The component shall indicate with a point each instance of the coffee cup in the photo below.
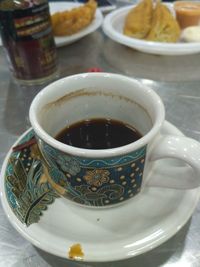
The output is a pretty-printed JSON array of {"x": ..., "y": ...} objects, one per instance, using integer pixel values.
[{"x": 108, "y": 176}]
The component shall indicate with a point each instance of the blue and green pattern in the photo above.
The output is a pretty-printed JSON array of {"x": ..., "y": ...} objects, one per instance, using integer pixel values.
[
  {"x": 27, "y": 190},
  {"x": 95, "y": 182},
  {"x": 31, "y": 186}
]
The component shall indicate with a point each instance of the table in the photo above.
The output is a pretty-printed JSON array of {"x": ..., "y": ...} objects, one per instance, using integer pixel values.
[{"x": 175, "y": 79}]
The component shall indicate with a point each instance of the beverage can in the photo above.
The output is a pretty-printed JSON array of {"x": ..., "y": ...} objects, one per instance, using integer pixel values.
[{"x": 27, "y": 37}]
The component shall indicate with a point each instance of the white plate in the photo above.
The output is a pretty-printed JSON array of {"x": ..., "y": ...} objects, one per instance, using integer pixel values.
[
  {"x": 101, "y": 6},
  {"x": 96, "y": 23},
  {"x": 61, "y": 6},
  {"x": 113, "y": 28},
  {"x": 138, "y": 226},
  {"x": 106, "y": 9}
]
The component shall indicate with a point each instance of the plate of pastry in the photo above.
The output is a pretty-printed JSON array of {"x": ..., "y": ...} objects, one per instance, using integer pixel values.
[
  {"x": 156, "y": 28},
  {"x": 72, "y": 21}
]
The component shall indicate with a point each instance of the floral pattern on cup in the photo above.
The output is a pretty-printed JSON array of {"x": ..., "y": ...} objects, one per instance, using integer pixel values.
[
  {"x": 96, "y": 177},
  {"x": 94, "y": 182},
  {"x": 68, "y": 164},
  {"x": 27, "y": 189}
]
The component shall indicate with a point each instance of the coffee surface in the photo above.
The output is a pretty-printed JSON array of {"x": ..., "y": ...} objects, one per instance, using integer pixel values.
[{"x": 98, "y": 133}]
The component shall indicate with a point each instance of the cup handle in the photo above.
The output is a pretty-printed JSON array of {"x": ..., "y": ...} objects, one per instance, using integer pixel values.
[{"x": 181, "y": 148}]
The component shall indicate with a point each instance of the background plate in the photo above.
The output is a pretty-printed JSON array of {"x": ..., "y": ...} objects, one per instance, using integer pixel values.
[
  {"x": 113, "y": 28},
  {"x": 96, "y": 23}
]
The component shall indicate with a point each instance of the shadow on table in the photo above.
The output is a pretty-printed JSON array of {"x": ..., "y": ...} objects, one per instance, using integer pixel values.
[
  {"x": 78, "y": 57},
  {"x": 172, "y": 248},
  {"x": 133, "y": 63}
]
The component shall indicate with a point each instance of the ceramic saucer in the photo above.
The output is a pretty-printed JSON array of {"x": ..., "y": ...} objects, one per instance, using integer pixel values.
[{"x": 109, "y": 234}]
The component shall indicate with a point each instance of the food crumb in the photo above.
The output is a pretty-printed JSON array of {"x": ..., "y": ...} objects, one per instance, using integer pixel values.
[{"x": 76, "y": 252}]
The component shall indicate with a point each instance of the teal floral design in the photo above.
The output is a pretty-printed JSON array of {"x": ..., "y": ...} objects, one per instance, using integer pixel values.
[
  {"x": 108, "y": 180},
  {"x": 97, "y": 177},
  {"x": 103, "y": 196},
  {"x": 68, "y": 164},
  {"x": 27, "y": 189}
]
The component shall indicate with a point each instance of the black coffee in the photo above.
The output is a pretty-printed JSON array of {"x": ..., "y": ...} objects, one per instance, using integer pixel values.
[{"x": 98, "y": 134}]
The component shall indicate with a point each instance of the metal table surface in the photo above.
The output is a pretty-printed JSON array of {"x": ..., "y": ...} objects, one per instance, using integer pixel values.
[{"x": 176, "y": 80}]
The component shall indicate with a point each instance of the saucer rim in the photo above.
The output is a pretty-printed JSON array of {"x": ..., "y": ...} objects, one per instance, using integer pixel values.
[{"x": 21, "y": 228}]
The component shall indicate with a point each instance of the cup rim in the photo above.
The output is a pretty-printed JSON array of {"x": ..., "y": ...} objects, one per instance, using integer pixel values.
[{"x": 98, "y": 153}]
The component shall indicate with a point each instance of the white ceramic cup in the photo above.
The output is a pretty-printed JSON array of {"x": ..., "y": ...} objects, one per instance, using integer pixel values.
[{"x": 108, "y": 176}]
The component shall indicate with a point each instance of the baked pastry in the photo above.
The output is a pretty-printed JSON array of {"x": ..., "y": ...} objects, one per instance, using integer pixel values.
[
  {"x": 164, "y": 27},
  {"x": 138, "y": 20},
  {"x": 72, "y": 21}
]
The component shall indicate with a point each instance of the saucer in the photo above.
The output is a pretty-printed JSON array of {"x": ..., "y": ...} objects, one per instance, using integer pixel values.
[{"x": 135, "y": 227}]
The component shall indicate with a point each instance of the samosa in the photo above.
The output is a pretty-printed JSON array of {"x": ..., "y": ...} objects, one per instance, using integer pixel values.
[
  {"x": 138, "y": 20},
  {"x": 164, "y": 26}
]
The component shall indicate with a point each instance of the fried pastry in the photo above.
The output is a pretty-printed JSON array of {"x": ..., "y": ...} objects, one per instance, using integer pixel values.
[
  {"x": 138, "y": 20},
  {"x": 164, "y": 26},
  {"x": 72, "y": 21}
]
